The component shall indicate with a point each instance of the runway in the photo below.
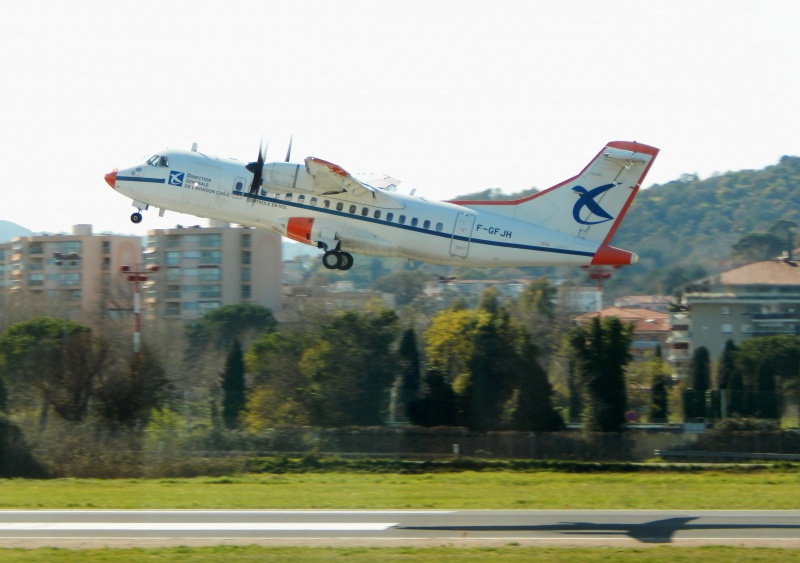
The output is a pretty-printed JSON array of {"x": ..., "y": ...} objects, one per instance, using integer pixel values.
[{"x": 124, "y": 528}]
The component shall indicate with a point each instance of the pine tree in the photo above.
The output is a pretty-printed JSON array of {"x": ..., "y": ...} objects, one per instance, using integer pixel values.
[
  {"x": 534, "y": 411},
  {"x": 233, "y": 391}
]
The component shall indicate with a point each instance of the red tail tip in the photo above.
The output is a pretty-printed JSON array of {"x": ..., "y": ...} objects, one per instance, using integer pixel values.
[{"x": 611, "y": 256}]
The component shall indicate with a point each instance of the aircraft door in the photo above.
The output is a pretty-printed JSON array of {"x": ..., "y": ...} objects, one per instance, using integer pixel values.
[
  {"x": 459, "y": 244},
  {"x": 239, "y": 185}
]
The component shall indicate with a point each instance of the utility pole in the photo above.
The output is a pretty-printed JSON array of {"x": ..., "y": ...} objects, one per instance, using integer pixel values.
[{"x": 137, "y": 275}]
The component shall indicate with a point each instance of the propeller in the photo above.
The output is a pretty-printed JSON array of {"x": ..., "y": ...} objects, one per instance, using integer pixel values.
[
  {"x": 257, "y": 168},
  {"x": 289, "y": 151}
]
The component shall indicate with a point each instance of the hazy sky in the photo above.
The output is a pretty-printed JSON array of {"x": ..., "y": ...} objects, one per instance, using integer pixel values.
[{"x": 450, "y": 96}]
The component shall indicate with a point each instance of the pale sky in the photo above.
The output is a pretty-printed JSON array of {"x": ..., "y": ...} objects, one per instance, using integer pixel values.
[{"x": 450, "y": 97}]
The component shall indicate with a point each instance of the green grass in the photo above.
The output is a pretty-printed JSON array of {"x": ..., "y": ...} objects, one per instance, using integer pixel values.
[
  {"x": 465, "y": 490},
  {"x": 434, "y": 554}
]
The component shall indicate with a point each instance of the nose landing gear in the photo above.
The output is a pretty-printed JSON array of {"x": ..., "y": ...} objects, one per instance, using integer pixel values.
[{"x": 336, "y": 260}]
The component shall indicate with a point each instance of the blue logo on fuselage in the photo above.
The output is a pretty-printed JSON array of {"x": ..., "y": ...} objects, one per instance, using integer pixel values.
[
  {"x": 586, "y": 199},
  {"x": 176, "y": 178}
]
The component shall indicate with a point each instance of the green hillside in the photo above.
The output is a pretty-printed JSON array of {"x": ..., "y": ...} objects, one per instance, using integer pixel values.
[{"x": 692, "y": 221}]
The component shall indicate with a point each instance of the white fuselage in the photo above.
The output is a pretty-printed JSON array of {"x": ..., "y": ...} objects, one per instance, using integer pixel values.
[{"x": 381, "y": 223}]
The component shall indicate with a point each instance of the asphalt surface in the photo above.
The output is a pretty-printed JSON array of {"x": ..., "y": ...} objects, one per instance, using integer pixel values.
[{"x": 124, "y": 528}]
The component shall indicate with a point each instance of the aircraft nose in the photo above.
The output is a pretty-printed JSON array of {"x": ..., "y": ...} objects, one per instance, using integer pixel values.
[{"x": 111, "y": 178}]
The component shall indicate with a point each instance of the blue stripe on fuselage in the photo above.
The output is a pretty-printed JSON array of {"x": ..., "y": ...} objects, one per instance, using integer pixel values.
[
  {"x": 140, "y": 179},
  {"x": 383, "y": 222}
]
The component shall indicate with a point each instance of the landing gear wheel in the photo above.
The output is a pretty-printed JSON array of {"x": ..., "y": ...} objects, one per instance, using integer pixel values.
[
  {"x": 345, "y": 260},
  {"x": 136, "y": 218},
  {"x": 331, "y": 259}
]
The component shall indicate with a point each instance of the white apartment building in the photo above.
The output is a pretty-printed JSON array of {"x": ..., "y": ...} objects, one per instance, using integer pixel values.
[{"x": 204, "y": 268}]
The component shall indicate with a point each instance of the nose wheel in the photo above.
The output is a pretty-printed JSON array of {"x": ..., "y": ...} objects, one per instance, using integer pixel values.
[
  {"x": 335, "y": 260},
  {"x": 136, "y": 218}
]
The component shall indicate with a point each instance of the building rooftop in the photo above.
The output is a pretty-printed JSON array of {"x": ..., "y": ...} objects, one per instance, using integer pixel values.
[
  {"x": 768, "y": 272},
  {"x": 644, "y": 320}
]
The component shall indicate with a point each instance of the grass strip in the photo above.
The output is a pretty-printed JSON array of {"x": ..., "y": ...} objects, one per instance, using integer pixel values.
[
  {"x": 711, "y": 490},
  {"x": 510, "y": 553}
]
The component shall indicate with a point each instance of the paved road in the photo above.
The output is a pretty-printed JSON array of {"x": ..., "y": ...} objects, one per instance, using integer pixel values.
[{"x": 83, "y": 528}]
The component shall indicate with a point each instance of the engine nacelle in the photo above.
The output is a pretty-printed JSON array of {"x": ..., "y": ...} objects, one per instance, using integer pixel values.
[{"x": 286, "y": 177}]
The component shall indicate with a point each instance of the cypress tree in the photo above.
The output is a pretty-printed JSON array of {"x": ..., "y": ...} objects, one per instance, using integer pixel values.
[
  {"x": 601, "y": 352},
  {"x": 233, "y": 392}
]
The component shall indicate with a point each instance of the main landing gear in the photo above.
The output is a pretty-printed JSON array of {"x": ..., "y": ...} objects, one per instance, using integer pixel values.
[
  {"x": 136, "y": 218},
  {"x": 336, "y": 260}
]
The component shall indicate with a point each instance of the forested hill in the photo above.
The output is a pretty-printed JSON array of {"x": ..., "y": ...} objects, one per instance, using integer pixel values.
[{"x": 692, "y": 221}]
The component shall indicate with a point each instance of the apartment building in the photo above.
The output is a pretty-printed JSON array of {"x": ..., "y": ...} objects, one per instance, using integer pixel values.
[
  {"x": 67, "y": 275},
  {"x": 203, "y": 268},
  {"x": 759, "y": 299}
]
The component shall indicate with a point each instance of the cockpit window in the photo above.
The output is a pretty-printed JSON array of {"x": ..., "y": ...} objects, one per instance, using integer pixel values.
[{"x": 157, "y": 160}]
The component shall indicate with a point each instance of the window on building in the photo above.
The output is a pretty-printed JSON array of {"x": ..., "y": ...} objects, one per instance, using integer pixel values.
[
  {"x": 246, "y": 273},
  {"x": 727, "y": 328},
  {"x": 209, "y": 274},
  {"x": 726, "y": 310},
  {"x": 106, "y": 247},
  {"x": 212, "y": 240},
  {"x": 246, "y": 257},
  {"x": 246, "y": 291},
  {"x": 211, "y": 257},
  {"x": 191, "y": 254},
  {"x": 245, "y": 241},
  {"x": 172, "y": 241},
  {"x": 205, "y": 306},
  {"x": 210, "y": 291},
  {"x": 173, "y": 292},
  {"x": 106, "y": 262}
]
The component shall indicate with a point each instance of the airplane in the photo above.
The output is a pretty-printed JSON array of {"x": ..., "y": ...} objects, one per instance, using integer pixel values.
[{"x": 321, "y": 204}]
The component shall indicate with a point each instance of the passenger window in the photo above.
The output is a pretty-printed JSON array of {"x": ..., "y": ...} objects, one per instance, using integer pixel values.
[
  {"x": 301, "y": 198},
  {"x": 377, "y": 214},
  {"x": 414, "y": 222},
  {"x": 326, "y": 204},
  {"x": 313, "y": 201},
  {"x": 389, "y": 216},
  {"x": 364, "y": 211},
  {"x": 352, "y": 209},
  {"x": 339, "y": 206},
  {"x": 402, "y": 219},
  {"x": 288, "y": 197},
  {"x": 426, "y": 224},
  {"x": 439, "y": 226}
]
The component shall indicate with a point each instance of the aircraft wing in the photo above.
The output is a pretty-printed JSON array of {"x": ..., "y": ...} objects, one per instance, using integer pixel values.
[{"x": 331, "y": 178}]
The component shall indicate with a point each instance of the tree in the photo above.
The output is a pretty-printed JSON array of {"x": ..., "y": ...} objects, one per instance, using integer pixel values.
[
  {"x": 350, "y": 368},
  {"x": 437, "y": 405},
  {"x": 128, "y": 395},
  {"x": 600, "y": 352},
  {"x": 659, "y": 393},
  {"x": 534, "y": 410},
  {"x": 694, "y": 397},
  {"x": 765, "y": 396},
  {"x": 726, "y": 374},
  {"x": 233, "y": 389},
  {"x": 61, "y": 359},
  {"x": 219, "y": 327},
  {"x": 408, "y": 359},
  {"x": 280, "y": 392}
]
